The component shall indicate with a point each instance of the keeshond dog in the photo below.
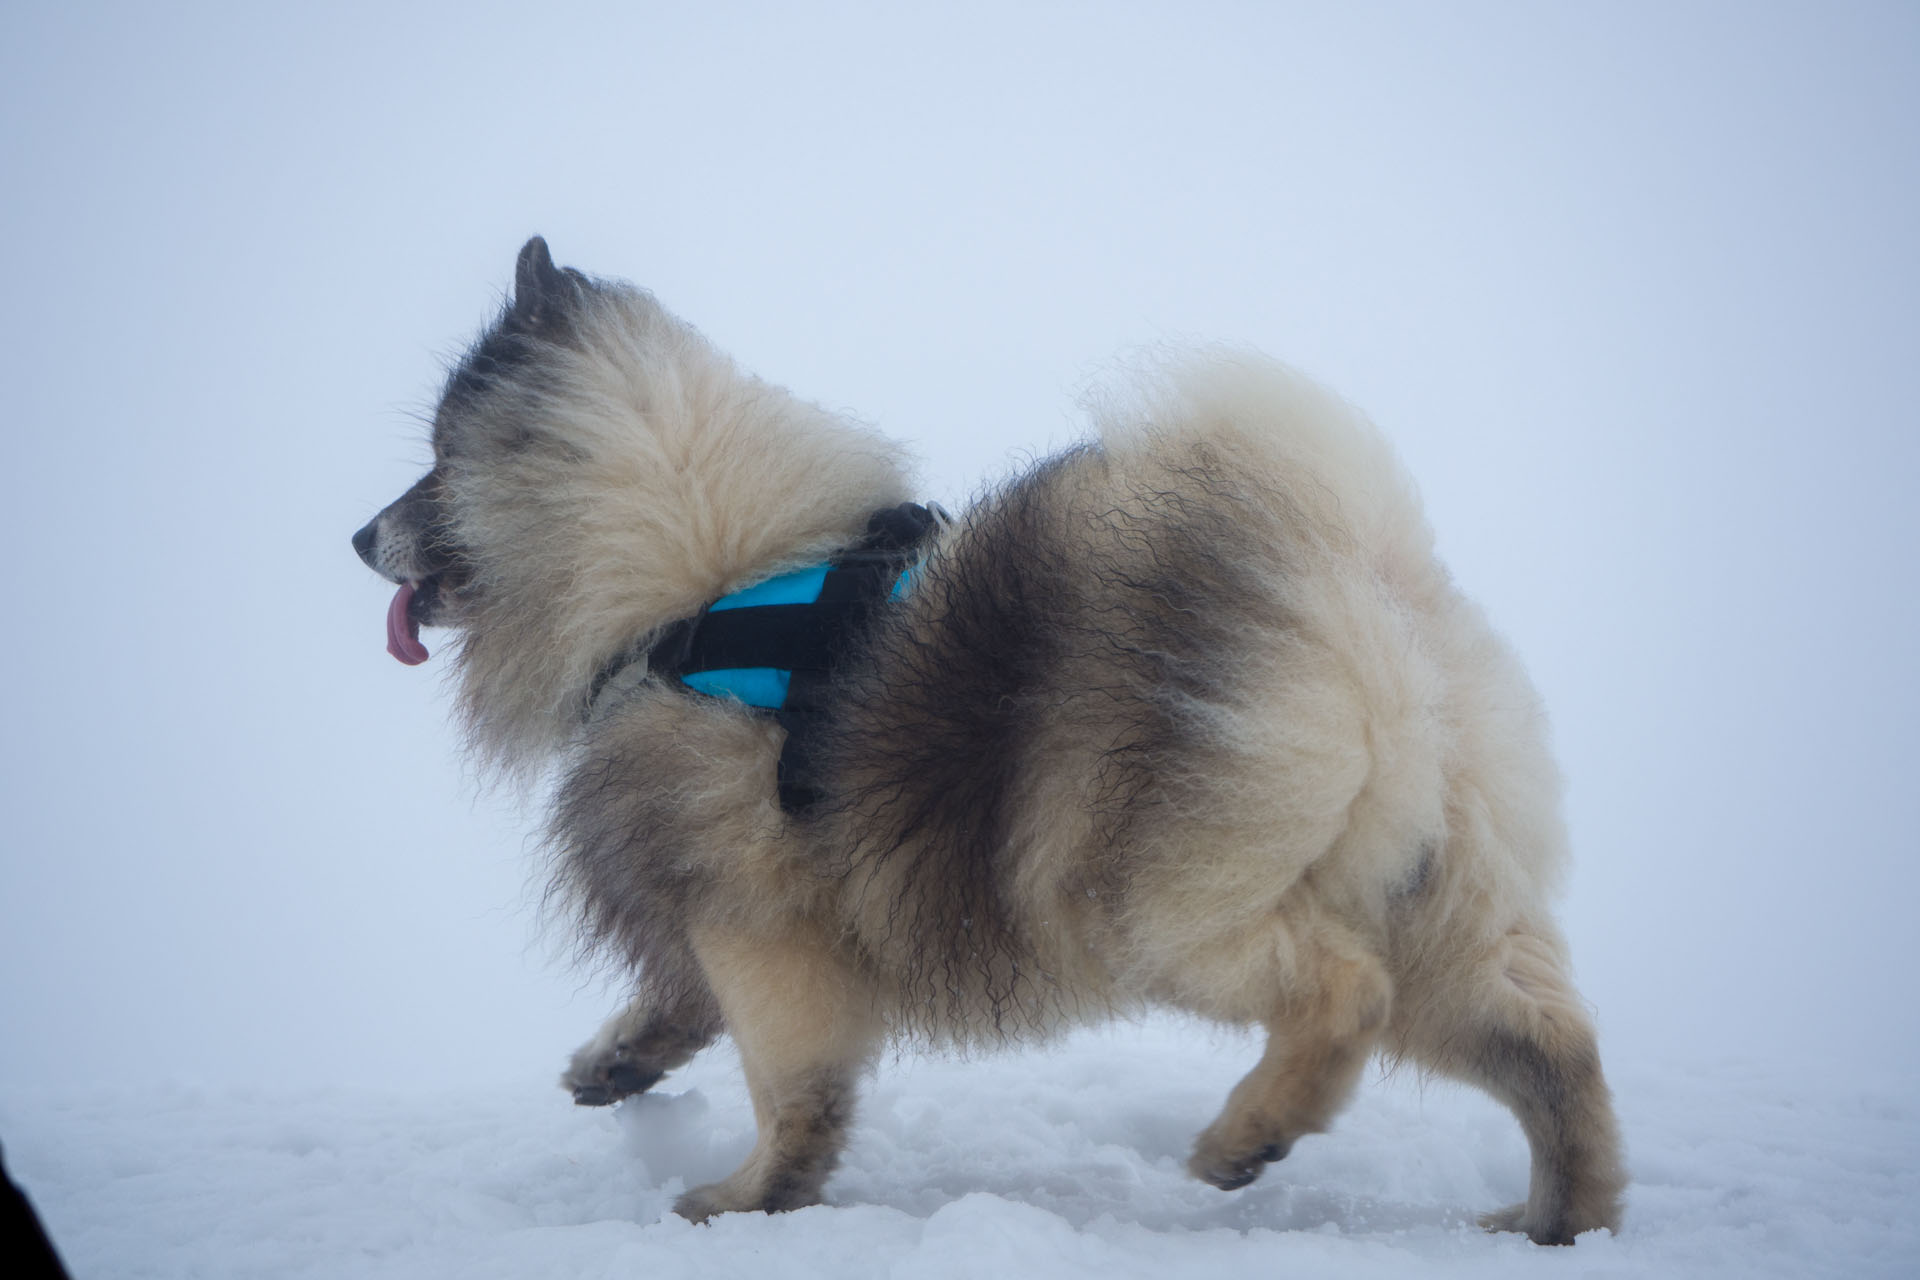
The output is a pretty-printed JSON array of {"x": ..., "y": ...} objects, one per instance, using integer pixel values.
[{"x": 1188, "y": 715}]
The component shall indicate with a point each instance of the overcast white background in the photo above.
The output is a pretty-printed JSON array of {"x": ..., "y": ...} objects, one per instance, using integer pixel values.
[{"x": 1632, "y": 286}]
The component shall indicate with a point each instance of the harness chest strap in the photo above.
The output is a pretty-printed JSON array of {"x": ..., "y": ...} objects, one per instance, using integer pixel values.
[{"x": 775, "y": 645}]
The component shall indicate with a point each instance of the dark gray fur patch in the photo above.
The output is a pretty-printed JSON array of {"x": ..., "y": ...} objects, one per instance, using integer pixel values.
[
  {"x": 502, "y": 382},
  {"x": 1421, "y": 876},
  {"x": 1113, "y": 620},
  {"x": 808, "y": 1135},
  {"x": 622, "y": 840}
]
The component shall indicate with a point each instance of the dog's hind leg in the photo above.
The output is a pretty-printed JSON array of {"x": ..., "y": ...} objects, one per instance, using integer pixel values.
[
  {"x": 805, "y": 1022},
  {"x": 664, "y": 1025},
  {"x": 1518, "y": 1029},
  {"x": 1332, "y": 1007}
]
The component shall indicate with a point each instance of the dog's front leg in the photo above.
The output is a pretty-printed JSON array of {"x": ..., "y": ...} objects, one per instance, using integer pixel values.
[
  {"x": 804, "y": 1020},
  {"x": 670, "y": 1018}
]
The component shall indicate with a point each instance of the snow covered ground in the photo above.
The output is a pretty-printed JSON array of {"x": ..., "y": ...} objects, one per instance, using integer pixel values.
[{"x": 1064, "y": 1162}]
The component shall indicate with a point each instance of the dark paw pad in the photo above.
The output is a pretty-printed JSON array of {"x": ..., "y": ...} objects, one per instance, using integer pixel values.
[
  {"x": 1233, "y": 1174},
  {"x": 1233, "y": 1181},
  {"x": 621, "y": 1080}
]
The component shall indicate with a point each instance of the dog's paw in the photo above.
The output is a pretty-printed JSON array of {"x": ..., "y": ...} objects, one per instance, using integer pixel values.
[
  {"x": 702, "y": 1203},
  {"x": 1231, "y": 1170},
  {"x": 1514, "y": 1218},
  {"x": 601, "y": 1075}
]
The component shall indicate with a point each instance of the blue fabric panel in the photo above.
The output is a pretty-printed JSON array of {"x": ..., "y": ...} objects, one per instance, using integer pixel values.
[
  {"x": 799, "y": 587},
  {"x": 755, "y": 686},
  {"x": 905, "y": 584}
]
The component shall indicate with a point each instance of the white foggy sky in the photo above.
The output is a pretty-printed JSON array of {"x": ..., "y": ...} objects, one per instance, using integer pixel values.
[{"x": 1633, "y": 287}]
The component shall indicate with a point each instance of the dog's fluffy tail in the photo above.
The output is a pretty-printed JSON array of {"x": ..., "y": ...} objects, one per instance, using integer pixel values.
[{"x": 1298, "y": 440}]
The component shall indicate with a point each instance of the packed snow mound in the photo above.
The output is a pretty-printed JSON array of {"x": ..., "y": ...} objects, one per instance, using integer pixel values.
[{"x": 1060, "y": 1163}]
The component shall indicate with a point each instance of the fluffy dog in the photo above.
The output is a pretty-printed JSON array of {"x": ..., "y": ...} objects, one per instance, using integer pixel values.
[{"x": 1189, "y": 716}]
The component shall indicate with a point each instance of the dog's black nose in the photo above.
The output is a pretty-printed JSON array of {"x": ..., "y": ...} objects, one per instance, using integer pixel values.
[{"x": 363, "y": 541}]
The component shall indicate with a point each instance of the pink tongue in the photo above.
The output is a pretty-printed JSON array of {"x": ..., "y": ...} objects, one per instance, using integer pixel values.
[{"x": 403, "y": 633}]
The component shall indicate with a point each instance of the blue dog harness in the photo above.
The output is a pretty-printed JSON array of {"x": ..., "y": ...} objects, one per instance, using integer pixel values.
[
  {"x": 776, "y": 645},
  {"x": 768, "y": 687}
]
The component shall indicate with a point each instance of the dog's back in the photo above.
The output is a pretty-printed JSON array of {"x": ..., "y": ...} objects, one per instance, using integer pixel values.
[{"x": 1149, "y": 694}]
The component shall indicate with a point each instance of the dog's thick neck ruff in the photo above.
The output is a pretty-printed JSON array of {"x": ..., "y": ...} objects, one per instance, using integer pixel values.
[{"x": 774, "y": 646}]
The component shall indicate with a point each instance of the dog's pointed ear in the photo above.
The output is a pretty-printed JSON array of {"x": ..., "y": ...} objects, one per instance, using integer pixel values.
[{"x": 541, "y": 290}]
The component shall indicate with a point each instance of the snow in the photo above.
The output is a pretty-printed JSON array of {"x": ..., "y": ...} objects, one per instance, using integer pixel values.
[{"x": 1058, "y": 1162}]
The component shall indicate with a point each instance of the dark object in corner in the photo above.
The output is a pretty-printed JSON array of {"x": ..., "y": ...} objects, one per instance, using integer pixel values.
[{"x": 22, "y": 1238}]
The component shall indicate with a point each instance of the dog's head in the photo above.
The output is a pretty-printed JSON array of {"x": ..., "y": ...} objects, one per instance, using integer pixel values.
[
  {"x": 416, "y": 542},
  {"x": 600, "y": 470}
]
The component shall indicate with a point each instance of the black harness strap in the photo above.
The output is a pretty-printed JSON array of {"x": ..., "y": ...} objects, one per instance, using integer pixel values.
[{"x": 808, "y": 641}]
